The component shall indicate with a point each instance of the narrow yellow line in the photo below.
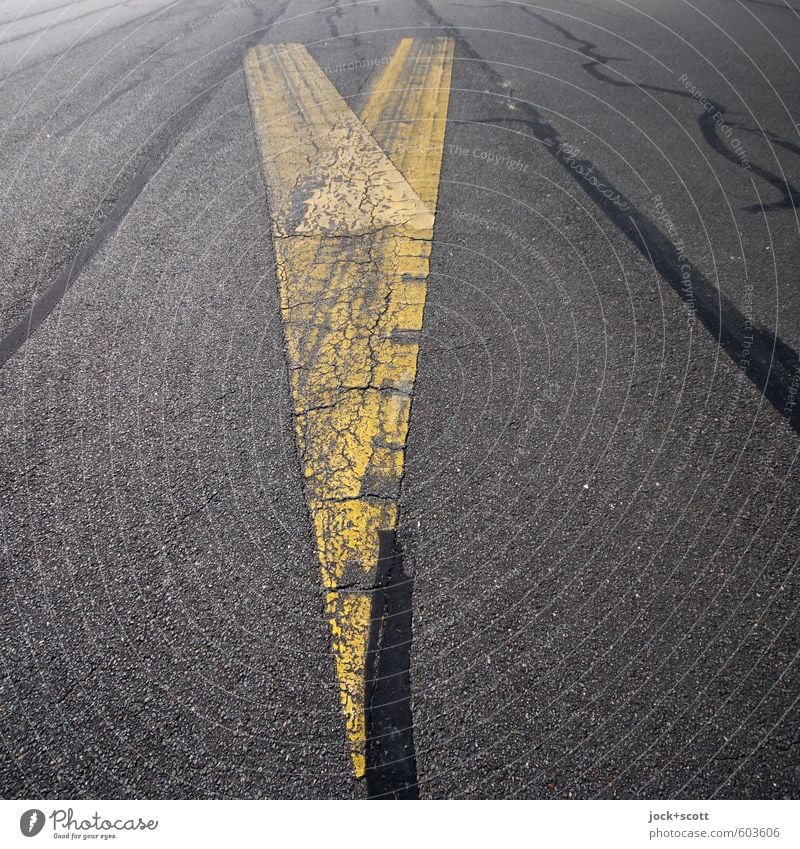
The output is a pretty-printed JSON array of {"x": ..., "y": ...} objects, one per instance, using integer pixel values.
[
  {"x": 407, "y": 111},
  {"x": 352, "y": 219}
]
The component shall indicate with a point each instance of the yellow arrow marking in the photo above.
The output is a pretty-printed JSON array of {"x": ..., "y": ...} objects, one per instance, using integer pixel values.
[{"x": 352, "y": 203}]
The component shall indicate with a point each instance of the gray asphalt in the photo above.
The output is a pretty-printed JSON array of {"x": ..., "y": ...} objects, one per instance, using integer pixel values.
[{"x": 600, "y": 503}]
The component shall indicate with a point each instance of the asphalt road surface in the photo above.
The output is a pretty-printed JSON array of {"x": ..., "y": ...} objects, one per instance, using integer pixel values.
[{"x": 599, "y": 500}]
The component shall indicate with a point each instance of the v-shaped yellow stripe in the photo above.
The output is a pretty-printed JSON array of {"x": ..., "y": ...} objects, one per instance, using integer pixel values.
[{"x": 352, "y": 204}]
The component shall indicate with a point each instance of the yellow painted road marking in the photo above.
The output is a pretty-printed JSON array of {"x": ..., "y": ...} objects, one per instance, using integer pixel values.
[
  {"x": 352, "y": 203},
  {"x": 407, "y": 111}
]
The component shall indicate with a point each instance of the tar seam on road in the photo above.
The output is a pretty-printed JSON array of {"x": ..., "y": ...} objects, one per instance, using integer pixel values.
[{"x": 391, "y": 771}]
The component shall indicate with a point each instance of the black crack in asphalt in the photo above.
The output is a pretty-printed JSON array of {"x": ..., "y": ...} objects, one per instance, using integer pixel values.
[{"x": 765, "y": 359}]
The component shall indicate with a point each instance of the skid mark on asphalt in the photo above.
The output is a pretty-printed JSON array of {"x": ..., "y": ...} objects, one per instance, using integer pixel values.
[
  {"x": 167, "y": 140},
  {"x": 164, "y": 142},
  {"x": 352, "y": 202},
  {"x": 770, "y": 364}
]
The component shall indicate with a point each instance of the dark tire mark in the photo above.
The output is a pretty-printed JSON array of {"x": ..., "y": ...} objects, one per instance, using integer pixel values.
[
  {"x": 117, "y": 92},
  {"x": 771, "y": 363},
  {"x": 159, "y": 151},
  {"x": 20, "y": 18},
  {"x": 60, "y": 23},
  {"x": 705, "y": 121},
  {"x": 157, "y": 155},
  {"x": 330, "y": 14},
  {"x": 175, "y": 8}
]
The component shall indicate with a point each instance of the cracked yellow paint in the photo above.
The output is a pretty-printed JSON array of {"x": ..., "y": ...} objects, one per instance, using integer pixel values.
[{"x": 352, "y": 203}]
